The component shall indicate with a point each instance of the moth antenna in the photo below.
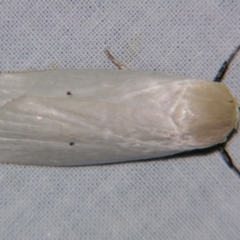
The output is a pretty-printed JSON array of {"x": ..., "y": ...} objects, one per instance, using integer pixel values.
[
  {"x": 222, "y": 71},
  {"x": 228, "y": 159}
]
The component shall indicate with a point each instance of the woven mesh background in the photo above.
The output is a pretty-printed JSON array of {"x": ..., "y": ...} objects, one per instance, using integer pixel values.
[{"x": 192, "y": 196}]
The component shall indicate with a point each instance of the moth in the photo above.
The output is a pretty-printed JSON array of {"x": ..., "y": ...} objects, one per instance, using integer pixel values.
[{"x": 89, "y": 116}]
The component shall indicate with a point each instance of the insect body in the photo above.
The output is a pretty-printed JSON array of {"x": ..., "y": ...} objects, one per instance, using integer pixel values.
[{"x": 83, "y": 117}]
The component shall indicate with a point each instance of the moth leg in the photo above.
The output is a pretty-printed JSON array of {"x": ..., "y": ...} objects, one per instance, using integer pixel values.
[
  {"x": 222, "y": 71},
  {"x": 115, "y": 61},
  {"x": 228, "y": 159}
]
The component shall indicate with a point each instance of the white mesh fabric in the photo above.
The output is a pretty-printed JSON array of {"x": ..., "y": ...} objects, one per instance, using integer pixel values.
[{"x": 192, "y": 196}]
